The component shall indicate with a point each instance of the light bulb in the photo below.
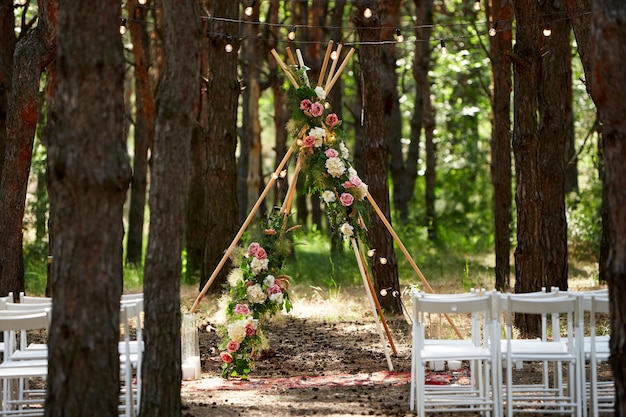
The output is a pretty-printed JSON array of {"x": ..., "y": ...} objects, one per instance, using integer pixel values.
[
  {"x": 444, "y": 50},
  {"x": 292, "y": 33},
  {"x": 477, "y": 5},
  {"x": 492, "y": 31},
  {"x": 383, "y": 261},
  {"x": 367, "y": 13},
  {"x": 399, "y": 36},
  {"x": 371, "y": 252},
  {"x": 250, "y": 9},
  {"x": 383, "y": 292},
  {"x": 547, "y": 31},
  {"x": 333, "y": 55},
  {"x": 123, "y": 27},
  {"x": 229, "y": 47},
  {"x": 142, "y": 1}
]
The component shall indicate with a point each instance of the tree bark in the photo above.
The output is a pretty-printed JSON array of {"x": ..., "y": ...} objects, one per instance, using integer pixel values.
[
  {"x": 609, "y": 56},
  {"x": 32, "y": 54},
  {"x": 168, "y": 190},
  {"x": 554, "y": 132},
  {"x": 375, "y": 152},
  {"x": 529, "y": 252},
  {"x": 89, "y": 176},
  {"x": 7, "y": 47},
  {"x": 501, "y": 11},
  {"x": 144, "y": 131},
  {"x": 220, "y": 144}
]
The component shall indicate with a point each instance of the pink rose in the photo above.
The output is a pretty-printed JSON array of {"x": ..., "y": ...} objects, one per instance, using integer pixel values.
[
  {"x": 226, "y": 357},
  {"x": 346, "y": 199},
  {"x": 261, "y": 254},
  {"x": 305, "y": 104},
  {"x": 356, "y": 181},
  {"x": 331, "y": 153},
  {"x": 317, "y": 109},
  {"x": 332, "y": 120},
  {"x": 348, "y": 184},
  {"x": 232, "y": 346},
  {"x": 250, "y": 330},
  {"x": 253, "y": 248},
  {"x": 274, "y": 289},
  {"x": 309, "y": 142},
  {"x": 242, "y": 309}
]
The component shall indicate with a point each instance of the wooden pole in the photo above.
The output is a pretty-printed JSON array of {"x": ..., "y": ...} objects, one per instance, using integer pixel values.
[
  {"x": 370, "y": 298},
  {"x": 285, "y": 69},
  {"x": 329, "y": 49},
  {"x": 333, "y": 65},
  {"x": 378, "y": 308},
  {"x": 245, "y": 225},
  {"x": 332, "y": 82},
  {"x": 408, "y": 256}
]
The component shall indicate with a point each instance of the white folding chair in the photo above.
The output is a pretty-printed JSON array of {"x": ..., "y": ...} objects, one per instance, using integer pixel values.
[
  {"x": 19, "y": 400},
  {"x": 561, "y": 310},
  {"x": 28, "y": 299},
  {"x": 479, "y": 395},
  {"x": 131, "y": 354},
  {"x": 600, "y": 395}
]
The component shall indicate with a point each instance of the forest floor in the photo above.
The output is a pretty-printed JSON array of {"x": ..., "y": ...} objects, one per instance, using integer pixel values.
[{"x": 326, "y": 358}]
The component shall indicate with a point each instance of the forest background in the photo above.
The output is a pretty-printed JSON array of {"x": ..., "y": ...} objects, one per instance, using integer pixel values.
[{"x": 431, "y": 116}]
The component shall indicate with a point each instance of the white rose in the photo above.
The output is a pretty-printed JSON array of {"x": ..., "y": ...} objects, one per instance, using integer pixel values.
[
  {"x": 319, "y": 134},
  {"x": 277, "y": 298},
  {"x": 352, "y": 173},
  {"x": 256, "y": 294},
  {"x": 269, "y": 280},
  {"x": 237, "y": 331},
  {"x": 259, "y": 265},
  {"x": 321, "y": 94},
  {"x": 360, "y": 192},
  {"x": 347, "y": 229},
  {"x": 328, "y": 196},
  {"x": 345, "y": 154}
]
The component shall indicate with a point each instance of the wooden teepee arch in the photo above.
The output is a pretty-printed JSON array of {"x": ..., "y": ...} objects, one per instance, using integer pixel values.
[{"x": 333, "y": 76}]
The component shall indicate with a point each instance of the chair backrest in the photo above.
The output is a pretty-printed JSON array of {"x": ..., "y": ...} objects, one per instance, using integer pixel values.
[
  {"x": 27, "y": 299},
  {"x": 478, "y": 304},
  {"x": 13, "y": 322}
]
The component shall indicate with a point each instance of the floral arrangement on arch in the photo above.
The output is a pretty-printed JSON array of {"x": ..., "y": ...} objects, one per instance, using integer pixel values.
[{"x": 258, "y": 287}]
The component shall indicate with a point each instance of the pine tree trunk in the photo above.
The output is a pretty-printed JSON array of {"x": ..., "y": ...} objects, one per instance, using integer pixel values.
[
  {"x": 375, "y": 152},
  {"x": 89, "y": 175},
  {"x": 32, "y": 54},
  {"x": 144, "y": 132},
  {"x": 168, "y": 191},
  {"x": 554, "y": 132},
  {"x": 501, "y": 11},
  {"x": 529, "y": 252},
  {"x": 220, "y": 140},
  {"x": 609, "y": 58}
]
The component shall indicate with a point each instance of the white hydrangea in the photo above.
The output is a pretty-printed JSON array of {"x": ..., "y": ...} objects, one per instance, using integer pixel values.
[
  {"x": 256, "y": 294},
  {"x": 345, "y": 153},
  {"x": 335, "y": 167},
  {"x": 237, "y": 330},
  {"x": 347, "y": 229},
  {"x": 319, "y": 134},
  {"x": 258, "y": 265},
  {"x": 360, "y": 192},
  {"x": 321, "y": 93},
  {"x": 329, "y": 196}
]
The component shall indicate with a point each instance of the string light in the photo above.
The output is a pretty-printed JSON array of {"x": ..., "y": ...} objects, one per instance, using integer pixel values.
[
  {"x": 492, "y": 30},
  {"x": 292, "y": 33},
  {"x": 123, "y": 27},
  {"x": 371, "y": 252},
  {"x": 333, "y": 55},
  {"x": 367, "y": 13},
  {"x": 444, "y": 50},
  {"x": 142, "y": 2},
  {"x": 229, "y": 45},
  {"x": 399, "y": 36},
  {"x": 383, "y": 261},
  {"x": 477, "y": 5},
  {"x": 547, "y": 30},
  {"x": 250, "y": 9}
]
